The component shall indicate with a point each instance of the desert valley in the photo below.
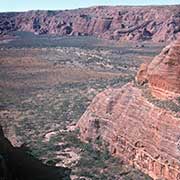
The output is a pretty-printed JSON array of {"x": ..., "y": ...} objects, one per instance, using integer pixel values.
[{"x": 90, "y": 94}]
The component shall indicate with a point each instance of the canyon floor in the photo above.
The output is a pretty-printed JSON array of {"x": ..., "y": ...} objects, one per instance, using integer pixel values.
[{"x": 46, "y": 84}]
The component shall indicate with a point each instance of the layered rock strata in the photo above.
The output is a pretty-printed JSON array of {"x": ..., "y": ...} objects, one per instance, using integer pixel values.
[
  {"x": 136, "y": 130},
  {"x": 163, "y": 73},
  {"x": 161, "y": 23}
]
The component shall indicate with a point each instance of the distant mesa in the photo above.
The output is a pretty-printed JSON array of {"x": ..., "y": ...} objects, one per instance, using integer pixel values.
[{"x": 158, "y": 24}]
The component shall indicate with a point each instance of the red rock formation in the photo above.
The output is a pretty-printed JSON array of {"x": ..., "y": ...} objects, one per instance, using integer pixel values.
[
  {"x": 119, "y": 23},
  {"x": 136, "y": 130},
  {"x": 163, "y": 73},
  {"x": 141, "y": 76}
]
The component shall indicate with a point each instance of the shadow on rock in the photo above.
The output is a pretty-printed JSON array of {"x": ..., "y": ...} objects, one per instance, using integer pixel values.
[{"x": 17, "y": 164}]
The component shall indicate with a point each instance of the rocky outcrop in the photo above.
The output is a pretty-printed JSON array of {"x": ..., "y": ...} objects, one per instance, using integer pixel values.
[
  {"x": 16, "y": 163},
  {"x": 135, "y": 130},
  {"x": 7, "y": 23},
  {"x": 163, "y": 73},
  {"x": 140, "y": 132},
  {"x": 141, "y": 76},
  {"x": 160, "y": 23}
]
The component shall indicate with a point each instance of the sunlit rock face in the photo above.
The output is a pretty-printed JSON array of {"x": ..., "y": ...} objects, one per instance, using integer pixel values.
[
  {"x": 138, "y": 131},
  {"x": 163, "y": 73},
  {"x": 159, "y": 24}
]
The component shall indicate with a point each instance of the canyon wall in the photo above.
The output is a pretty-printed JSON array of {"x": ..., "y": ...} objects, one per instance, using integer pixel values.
[
  {"x": 163, "y": 73},
  {"x": 143, "y": 134},
  {"x": 157, "y": 23}
]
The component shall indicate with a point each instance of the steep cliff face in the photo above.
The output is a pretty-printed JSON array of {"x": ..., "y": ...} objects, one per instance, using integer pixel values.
[
  {"x": 117, "y": 23},
  {"x": 136, "y": 130},
  {"x": 163, "y": 73}
]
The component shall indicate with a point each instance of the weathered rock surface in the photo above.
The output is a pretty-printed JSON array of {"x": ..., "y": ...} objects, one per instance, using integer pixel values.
[
  {"x": 161, "y": 23},
  {"x": 141, "y": 76},
  {"x": 163, "y": 73},
  {"x": 136, "y": 130},
  {"x": 141, "y": 133}
]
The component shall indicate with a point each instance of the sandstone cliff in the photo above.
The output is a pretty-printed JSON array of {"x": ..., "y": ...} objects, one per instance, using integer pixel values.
[
  {"x": 163, "y": 73},
  {"x": 161, "y": 23},
  {"x": 136, "y": 130}
]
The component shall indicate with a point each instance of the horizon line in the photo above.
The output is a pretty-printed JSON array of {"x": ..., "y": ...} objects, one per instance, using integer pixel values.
[{"x": 86, "y": 7}]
